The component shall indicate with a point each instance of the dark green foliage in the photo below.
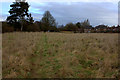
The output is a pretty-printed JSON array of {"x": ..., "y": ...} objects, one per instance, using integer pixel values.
[
  {"x": 71, "y": 27},
  {"x": 19, "y": 15},
  {"x": 80, "y": 28},
  {"x": 78, "y": 24}
]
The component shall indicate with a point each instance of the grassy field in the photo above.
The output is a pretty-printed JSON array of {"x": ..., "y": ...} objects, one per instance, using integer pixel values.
[{"x": 59, "y": 55}]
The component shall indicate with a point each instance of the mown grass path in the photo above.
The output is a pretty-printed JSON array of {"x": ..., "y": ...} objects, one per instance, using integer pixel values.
[{"x": 40, "y": 60}]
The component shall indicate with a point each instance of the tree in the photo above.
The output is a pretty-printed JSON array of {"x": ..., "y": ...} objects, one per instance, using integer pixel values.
[
  {"x": 85, "y": 24},
  {"x": 71, "y": 27},
  {"x": 19, "y": 14},
  {"x": 48, "y": 22},
  {"x": 80, "y": 28},
  {"x": 78, "y": 24}
]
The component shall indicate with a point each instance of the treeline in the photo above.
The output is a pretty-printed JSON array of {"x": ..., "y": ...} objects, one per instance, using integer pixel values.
[
  {"x": 47, "y": 23},
  {"x": 85, "y": 27},
  {"x": 21, "y": 20},
  {"x": 79, "y": 27}
]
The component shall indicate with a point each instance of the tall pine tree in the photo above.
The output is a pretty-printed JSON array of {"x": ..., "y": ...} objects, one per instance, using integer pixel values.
[{"x": 19, "y": 14}]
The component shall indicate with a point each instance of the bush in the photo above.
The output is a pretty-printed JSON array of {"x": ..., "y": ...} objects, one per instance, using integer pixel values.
[
  {"x": 6, "y": 27},
  {"x": 32, "y": 27},
  {"x": 71, "y": 27}
]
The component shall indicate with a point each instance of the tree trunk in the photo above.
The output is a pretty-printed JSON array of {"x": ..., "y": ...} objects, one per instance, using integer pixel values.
[
  {"x": 22, "y": 28},
  {"x": 21, "y": 23}
]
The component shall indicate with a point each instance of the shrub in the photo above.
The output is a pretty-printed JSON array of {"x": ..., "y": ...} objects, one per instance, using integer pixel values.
[
  {"x": 32, "y": 27},
  {"x": 6, "y": 27}
]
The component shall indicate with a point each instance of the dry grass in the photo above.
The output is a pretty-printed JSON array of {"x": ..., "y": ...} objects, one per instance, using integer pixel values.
[
  {"x": 0, "y": 56},
  {"x": 60, "y": 55}
]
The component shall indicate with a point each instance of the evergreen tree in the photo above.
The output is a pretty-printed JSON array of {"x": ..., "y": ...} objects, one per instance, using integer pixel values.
[
  {"x": 78, "y": 24},
  {"x": 19, "y": 14}
]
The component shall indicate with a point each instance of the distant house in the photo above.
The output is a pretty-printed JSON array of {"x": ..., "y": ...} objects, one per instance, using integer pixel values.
[
  {"x": 101, "y": 28},
  {"x": 116, "y": 29},
  {"x": 88, "y": 29}
]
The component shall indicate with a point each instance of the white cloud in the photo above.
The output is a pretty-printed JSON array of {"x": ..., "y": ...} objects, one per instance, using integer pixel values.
[
  {"x": 96, "y": 12},
  {"x": 37, "y": 1},
  {"x": 105, "y": 12}
]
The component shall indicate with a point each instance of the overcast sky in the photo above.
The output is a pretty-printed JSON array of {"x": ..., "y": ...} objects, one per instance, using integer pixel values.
[{"x": 64, "y": 11}]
